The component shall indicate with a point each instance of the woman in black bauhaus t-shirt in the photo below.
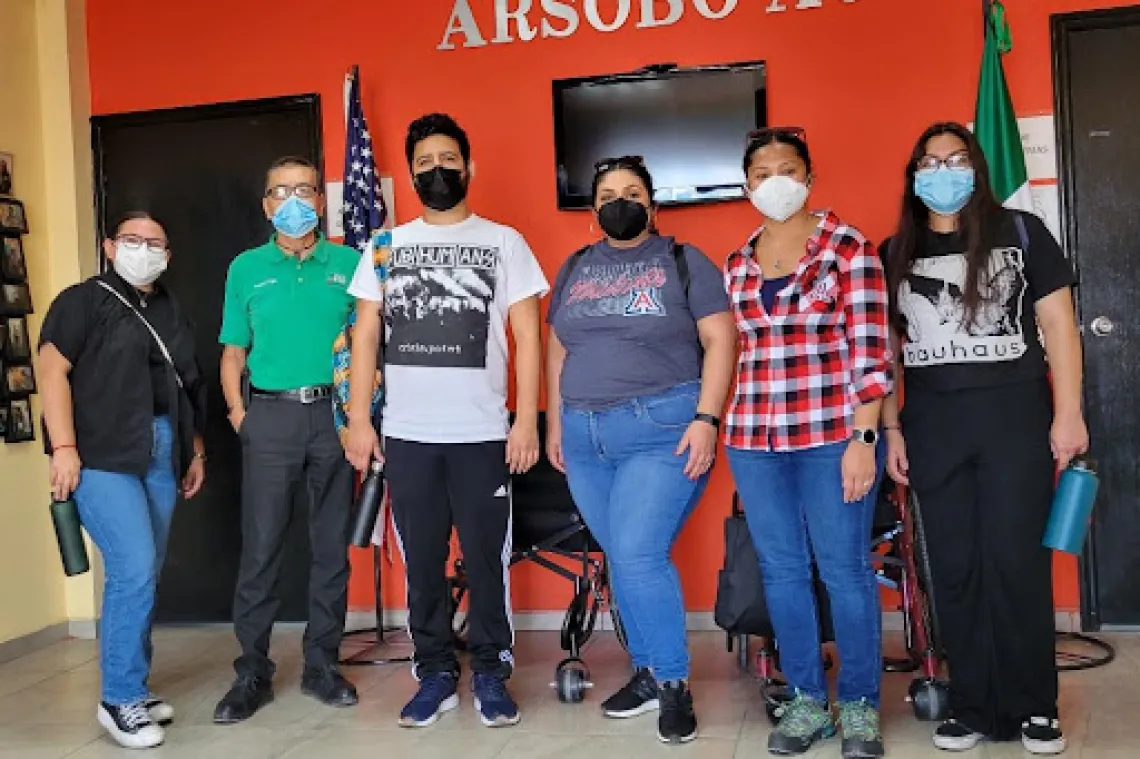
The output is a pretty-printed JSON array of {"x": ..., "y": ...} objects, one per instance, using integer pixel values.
[{"x": 981, "y": 302}]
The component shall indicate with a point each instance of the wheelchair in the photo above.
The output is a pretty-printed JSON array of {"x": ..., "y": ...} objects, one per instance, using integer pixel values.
[
  {"x": 901, "y": 563},
  {"x": 548, "y": 531}
]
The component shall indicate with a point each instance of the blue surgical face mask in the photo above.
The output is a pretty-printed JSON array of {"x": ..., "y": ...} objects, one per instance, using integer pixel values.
[
  {"x": 295, "y": 217},
  {"x": 944, "y": 190}
]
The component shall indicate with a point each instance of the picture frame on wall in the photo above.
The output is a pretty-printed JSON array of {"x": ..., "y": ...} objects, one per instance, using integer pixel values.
[
  {"x": 13, "y": 219},
  {"x": 13, "y": 265},
  {"x": 19, "y": 380},
  {"x": 21, "y": 427},
  {"x": 7, "y": 163},
  {"x": 16, "y": 299},
  {"x": 17, "y": 345}
]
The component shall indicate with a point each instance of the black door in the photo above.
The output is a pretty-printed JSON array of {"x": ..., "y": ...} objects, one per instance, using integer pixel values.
[
  {"x": 1097, "y": 57},
  {"x": 201, "y": 172}
]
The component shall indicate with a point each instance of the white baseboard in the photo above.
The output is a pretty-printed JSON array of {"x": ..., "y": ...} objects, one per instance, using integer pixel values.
[
  {"x": 32, "y": 642},
  {"x": 696, "y": 621}
]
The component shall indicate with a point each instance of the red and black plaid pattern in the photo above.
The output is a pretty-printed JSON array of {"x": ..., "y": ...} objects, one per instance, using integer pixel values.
[{"x": 822, "y": 351}]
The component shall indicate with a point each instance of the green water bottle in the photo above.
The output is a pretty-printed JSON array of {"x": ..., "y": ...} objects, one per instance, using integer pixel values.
[{"x": 69, "y": 535}]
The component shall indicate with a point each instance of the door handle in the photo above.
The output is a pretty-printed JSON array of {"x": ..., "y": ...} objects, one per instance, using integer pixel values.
[{"x": 1102, "y": 326}]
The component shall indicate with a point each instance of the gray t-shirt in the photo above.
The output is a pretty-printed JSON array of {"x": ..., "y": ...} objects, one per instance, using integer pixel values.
[{"x": 626, "y": 324}]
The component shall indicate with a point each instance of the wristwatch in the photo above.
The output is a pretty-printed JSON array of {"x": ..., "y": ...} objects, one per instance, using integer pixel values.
[
  {"x": 708, "y": 419},
  {"x": 865, "y": 435}
]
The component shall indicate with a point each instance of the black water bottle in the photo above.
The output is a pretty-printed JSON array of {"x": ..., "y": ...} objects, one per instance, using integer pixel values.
[
  {"x": 69, "y": 535},
  {"x": 368, "y": 505}
]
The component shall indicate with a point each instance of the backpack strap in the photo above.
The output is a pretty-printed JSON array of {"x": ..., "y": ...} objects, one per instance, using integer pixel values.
[
  {"x": 575, "y": 259},
  {"x": 682, "y": 264},
  {"x": 1022, "y": 231}
]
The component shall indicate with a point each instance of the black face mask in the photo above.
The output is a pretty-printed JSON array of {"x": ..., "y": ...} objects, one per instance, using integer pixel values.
[
  {"x": 441, "y": 188},
  {"x": 623, "y": 219}
]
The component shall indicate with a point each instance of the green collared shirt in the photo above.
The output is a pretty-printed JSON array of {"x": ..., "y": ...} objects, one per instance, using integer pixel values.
[{"x": 287, "y": 312}]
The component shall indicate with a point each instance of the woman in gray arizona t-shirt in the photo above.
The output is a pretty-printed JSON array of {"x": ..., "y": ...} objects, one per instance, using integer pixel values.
[{"x": 641, "y": 356}]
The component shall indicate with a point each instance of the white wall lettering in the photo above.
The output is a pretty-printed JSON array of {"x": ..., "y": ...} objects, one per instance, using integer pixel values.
[
  {"x": 462, "y": 21},
  {"x": 703, "y": 8},
  {"x": 649, "y": 13},
  {"x": 562, "y": 11},
  {"x": 503, "y": 17},
  {"x": 805, "y": 4},
  {"x": 593, "y": 16}
]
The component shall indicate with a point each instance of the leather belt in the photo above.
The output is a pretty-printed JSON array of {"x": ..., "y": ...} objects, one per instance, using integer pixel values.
[{"x": 304, "y": 395}]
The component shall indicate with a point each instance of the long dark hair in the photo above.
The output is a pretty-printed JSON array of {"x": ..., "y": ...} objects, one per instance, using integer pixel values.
[{"x": 975, "y": 222}]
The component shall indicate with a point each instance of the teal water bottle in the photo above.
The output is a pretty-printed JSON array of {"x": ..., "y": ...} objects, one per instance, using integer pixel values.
[
  {"x": 69, "y": 536},
  {"x": 1072, "y": 507}
]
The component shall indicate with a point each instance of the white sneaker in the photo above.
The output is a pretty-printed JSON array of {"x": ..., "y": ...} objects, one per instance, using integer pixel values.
[
  {"x": 952, "y": 735},
  {"x": 161, "y": 712},
  {"x": 1042, "y": 736},
  {"x": 130, "y": 725}
]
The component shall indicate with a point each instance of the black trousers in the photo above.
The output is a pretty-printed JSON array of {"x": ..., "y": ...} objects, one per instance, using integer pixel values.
[
  {"x": 287, "y": 444},
  {"x": 982, "y": 469},
  {"x": 433, "y": 487}
]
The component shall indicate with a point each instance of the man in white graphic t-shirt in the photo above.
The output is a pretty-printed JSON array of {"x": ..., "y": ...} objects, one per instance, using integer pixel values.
[{"x": 455, "y": 281}]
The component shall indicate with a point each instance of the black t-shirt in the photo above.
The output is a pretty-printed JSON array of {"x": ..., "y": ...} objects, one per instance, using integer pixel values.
[
  {"x": 942, "y": 351},
  {"x": 120, "y": 379}
]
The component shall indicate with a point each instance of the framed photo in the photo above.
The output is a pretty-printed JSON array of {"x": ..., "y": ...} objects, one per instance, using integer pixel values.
[
  {"x": 6, "y": 162},
  {"x": 21, "y": 428},
  {"x": 20, "y": 380},
  {"x": 13, "y": 220},
  {"x": 13, "y": 267},
  {"x": 17, "y": 345},
  {"x": 17, "y": 299}
]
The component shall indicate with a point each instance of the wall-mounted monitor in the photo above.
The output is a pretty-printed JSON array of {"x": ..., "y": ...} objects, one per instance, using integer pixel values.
[{"x": 690, "y": 125}]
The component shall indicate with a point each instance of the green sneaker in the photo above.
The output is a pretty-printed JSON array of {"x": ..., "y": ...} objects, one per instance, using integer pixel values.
[
  {"x": 804, "y": 722},
  {"x": 859, "y": 726}
]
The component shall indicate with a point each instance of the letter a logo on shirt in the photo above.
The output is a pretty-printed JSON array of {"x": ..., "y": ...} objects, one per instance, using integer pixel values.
[{"x": 643, "y": 302}]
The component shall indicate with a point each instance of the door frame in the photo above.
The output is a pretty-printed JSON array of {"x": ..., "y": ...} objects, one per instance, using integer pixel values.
[
  {"x": 1063, "y": 26},
  {"x": 308, "y": 104}
]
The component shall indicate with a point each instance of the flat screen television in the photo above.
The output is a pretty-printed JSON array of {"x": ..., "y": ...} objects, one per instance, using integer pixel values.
[{"x": 690, "y": 125}]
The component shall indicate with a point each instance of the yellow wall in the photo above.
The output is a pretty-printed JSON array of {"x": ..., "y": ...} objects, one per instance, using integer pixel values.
[{"x": 44, "y": 123}]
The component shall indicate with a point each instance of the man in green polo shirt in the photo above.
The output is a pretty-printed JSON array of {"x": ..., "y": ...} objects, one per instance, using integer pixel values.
[{"x": 285, "y": 303}]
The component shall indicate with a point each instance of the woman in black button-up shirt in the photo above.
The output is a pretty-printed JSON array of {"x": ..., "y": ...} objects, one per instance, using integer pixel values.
[{"x": 124, "y": 412}]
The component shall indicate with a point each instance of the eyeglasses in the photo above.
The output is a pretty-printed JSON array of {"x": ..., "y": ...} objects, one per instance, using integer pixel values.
[
  {"x": 622, "y": 162},
  {"x": 959, "y": 160},
  {"x": 284, "y": 191},
  {"x": 780, "y": 133},
  {"x": 134, "y": 242}
]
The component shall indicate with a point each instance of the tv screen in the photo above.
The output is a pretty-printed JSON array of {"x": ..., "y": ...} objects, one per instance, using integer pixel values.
[{"x": 690, "y": 125}]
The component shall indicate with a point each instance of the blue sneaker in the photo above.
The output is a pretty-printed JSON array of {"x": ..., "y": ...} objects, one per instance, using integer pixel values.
[
  {"x": 493, "y": 702},
  {"x": 436, "y": 695}
]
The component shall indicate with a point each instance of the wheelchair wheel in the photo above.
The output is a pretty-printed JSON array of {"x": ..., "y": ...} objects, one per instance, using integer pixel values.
[
  {"x": 930, "y": 699},
  {"x": 571, "y": 681}
]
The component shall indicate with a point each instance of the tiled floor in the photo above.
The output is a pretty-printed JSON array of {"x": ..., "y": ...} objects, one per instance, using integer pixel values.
[{"x": 47, "y": 705}]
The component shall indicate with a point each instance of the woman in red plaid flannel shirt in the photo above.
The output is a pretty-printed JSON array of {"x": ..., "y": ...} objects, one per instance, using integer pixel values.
[{"x": 810, "y": 302}]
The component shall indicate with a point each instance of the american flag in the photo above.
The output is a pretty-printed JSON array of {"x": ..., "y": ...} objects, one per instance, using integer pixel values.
[{"x": 364, "y": 210}]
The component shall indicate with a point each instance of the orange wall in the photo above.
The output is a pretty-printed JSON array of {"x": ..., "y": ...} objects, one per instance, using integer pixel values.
[{"x": 864, "y": 77}]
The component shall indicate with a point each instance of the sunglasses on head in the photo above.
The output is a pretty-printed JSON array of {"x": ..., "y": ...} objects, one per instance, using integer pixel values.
[
  {"x": 779, "y": 133},
  {"x": 622, "y": 162}
]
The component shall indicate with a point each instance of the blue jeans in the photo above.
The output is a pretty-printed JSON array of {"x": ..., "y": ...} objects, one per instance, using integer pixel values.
[
  {"x": 128, "y": 518},
  {"x": 794, "y": 505},
  {"x": 631, "y": 490}
]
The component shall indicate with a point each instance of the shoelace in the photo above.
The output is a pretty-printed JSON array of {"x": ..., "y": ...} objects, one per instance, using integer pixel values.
[
  {"x": 801, "y": 718},
  {"x": 642, "y": 685},
  {"x": 859, "y": 720},
  {"x": 433, "y": 688},
  {"x": 493, "y": 689},
  {"x": 134, "y": 715}
]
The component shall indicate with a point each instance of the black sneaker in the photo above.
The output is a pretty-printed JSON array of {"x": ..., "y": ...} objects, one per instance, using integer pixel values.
[
  {"x": 327, "y": 685},
  {"x": 636, "y": 697},
  {"x": 1042, "y": 736},
  {"x": 678, "y": 722},
  {"x": 952, "y": 735},
  {"x": 130, "y": 725},
  {"x": 248, "y": 694}
]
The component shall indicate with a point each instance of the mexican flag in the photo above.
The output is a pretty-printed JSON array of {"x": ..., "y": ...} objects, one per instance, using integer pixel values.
[{"x": 995, "y": 123}]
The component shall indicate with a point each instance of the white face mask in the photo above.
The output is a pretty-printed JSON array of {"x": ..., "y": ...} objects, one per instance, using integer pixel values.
[
  {"x": 779, "y": 197},
  {"x": 138, "y": 266}
]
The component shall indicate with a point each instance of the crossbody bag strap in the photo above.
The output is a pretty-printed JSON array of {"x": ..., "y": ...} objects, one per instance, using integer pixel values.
[{"x": 154, "y": 333}]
